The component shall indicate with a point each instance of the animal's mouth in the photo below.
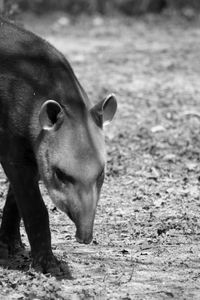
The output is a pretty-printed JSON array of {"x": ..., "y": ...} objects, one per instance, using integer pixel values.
[
  {"x": 70, "y": 215},
  {"x": 84, "y": 238}
]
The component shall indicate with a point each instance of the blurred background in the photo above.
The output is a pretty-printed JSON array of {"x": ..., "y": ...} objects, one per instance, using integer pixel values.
[{"x": 128, "y": 7}]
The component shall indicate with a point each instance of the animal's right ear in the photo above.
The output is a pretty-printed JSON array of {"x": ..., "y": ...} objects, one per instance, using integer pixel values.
[
  {"x": 51, "y": 114},
  {"x": 104, "y": 111}
]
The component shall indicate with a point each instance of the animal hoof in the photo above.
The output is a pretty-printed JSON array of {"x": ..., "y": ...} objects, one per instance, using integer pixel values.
[{"x": 48, "y": 264}]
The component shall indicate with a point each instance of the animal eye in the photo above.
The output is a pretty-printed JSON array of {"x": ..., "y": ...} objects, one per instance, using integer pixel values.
[{"x": 63, "y": 177}]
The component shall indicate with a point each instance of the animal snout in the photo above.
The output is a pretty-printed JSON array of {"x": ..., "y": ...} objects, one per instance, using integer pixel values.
[{"x": 84, "y": 238}]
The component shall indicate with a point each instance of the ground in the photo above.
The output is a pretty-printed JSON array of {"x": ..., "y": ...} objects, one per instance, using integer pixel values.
[{"x": 147, "y": 230}]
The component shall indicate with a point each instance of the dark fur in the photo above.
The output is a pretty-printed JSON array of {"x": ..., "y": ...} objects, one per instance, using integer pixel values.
[{"x": 31, "y": 72}]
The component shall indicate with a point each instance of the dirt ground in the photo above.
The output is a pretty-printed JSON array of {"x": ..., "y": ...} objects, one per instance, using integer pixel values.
[{"x": 147, "y": 229}]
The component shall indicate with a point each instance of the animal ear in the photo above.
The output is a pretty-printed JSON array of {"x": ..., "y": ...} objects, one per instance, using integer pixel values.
[
  {"x": 104, "y": 111},
  {"x": 51, "y": 114}
]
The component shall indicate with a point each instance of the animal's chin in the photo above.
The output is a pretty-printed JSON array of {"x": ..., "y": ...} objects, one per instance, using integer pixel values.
[{"x": 59, "y": 200}]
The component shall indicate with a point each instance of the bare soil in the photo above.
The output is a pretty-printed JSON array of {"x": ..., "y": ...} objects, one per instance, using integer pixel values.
[{"x": 147, "y": 231}]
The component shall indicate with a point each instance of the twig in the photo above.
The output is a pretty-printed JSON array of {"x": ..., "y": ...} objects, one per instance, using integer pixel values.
[
  {"x": 192, "y": 114},
  {"x": 131, "y": 276}
]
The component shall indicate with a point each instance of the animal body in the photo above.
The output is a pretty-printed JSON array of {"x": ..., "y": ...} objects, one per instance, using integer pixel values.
[{"x": 49, "y": 130}]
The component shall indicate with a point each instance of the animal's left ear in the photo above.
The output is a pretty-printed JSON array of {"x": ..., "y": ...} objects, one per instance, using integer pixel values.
[
  {"x": 51, "y": 115},
  {"x": 104, "y": 111}
]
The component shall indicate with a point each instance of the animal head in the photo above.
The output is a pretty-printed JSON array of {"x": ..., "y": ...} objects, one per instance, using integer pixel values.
[{"x": 72, "y": 158}]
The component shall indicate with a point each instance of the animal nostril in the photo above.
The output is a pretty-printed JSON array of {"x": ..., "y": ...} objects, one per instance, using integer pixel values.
[
  {"x": 84, "y": 241},
  {"x": 63, "y": 177}
]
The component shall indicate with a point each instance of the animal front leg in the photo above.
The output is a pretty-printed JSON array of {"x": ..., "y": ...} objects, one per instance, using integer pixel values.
[
  {"x": 10, "y": 240},
  {"x": 35, "y": 216}
]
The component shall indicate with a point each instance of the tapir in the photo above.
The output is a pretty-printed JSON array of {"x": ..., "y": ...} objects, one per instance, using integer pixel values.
[{"x": 49, "y": 130}]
